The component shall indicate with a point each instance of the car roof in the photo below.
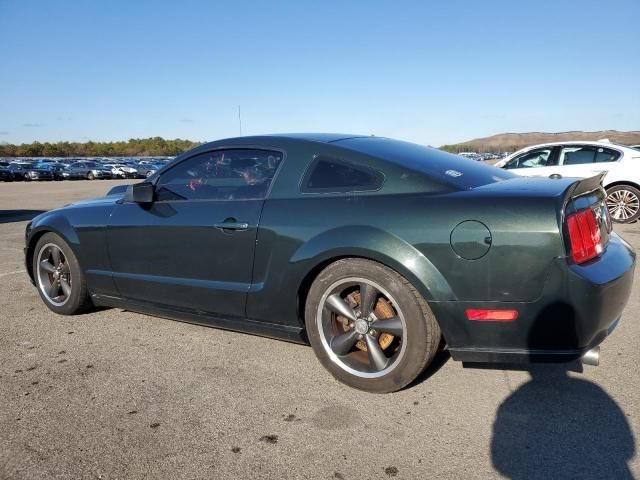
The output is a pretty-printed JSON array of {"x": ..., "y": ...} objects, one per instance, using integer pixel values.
[
  {"x": 577, "y": 142},
  {"x": 308, "y": 137},
  {"x": 627, "y": 151},
  {"x": 315, "y": 137},
  {"x": 269, "y": 139}
]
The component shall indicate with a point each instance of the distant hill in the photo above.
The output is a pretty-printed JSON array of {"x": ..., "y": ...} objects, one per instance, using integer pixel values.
[{"x": 509, "y": 142}]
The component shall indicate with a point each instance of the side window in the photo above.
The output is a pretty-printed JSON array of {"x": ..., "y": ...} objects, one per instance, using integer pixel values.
[
  {"x": 534, "y": 158},
  {"x": 606, "y": 155},
  {"x": 576, "y": 155},
  {"x": 221, "y": 175},
  {"x": 332, "y": 175}
]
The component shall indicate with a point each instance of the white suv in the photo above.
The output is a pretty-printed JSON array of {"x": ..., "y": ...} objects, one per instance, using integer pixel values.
[{"x": 586, "y": 159}]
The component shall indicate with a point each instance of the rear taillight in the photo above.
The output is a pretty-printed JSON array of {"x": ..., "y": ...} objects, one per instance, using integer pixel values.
[{"x": 584, "y": 235}]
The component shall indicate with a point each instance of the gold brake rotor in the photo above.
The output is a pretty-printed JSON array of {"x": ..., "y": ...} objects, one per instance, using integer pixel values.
[{"x": 383, "y": 310}]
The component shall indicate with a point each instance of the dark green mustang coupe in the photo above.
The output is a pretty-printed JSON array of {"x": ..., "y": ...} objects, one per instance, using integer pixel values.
[{"x": 375, "y": 251}]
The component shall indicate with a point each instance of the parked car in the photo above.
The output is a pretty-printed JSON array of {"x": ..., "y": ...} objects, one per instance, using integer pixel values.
[
  {"x": 585, "y": 159},
  {"x": 55, "y": 168},
  {"x": 121, "y": 170},
  {"x": 30, "y": 171},
  {"x": 147, "y": 169},
  {"x": 86, "y": 170},
  {"x": 6, "y": 175},
  {"x": 371, "y": 249},
  {"x": 19, "y": 171}
]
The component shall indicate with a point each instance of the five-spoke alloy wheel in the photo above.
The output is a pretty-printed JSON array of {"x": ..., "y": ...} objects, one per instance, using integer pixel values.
[
  {"x": 362, "y": 327},
  {"x": 53, "y": 274},
  {"x": 57, "y": 274},
  {"x": 368, "y": 326}
]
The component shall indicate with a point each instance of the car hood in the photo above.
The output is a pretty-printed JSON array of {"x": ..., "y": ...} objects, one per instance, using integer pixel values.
[{"x": 106, "y": 200}]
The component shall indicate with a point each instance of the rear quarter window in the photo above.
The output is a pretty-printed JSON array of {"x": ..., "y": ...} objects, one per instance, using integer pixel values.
[
  {"x": 445, "y": 168},
  {"x": 604, "y": 155},
  {"x": 327, "y": 174}
]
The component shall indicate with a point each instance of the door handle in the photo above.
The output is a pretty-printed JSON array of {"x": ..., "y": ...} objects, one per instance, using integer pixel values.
[
  {"x": 555, "y": 176},
  {"x": 231, "y": 224}
]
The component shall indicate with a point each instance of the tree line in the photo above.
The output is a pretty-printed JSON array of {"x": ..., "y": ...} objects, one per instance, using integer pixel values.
[
  {"x": 154, "y": 146},
  {"x": 135, "y": 147}
]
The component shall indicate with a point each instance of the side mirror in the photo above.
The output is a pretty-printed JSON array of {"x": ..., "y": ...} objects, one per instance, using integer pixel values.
[{"x": 140, "y": 193}]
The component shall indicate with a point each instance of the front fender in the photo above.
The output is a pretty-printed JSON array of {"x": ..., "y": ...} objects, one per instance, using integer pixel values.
[
  {"x": 84, "y": 230},
  {"x": 378, "y": 245},
  {"x": 57, "y": 223}
]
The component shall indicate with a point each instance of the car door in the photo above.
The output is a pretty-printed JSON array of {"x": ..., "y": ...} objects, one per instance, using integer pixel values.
[
  {"x": 193, "y": 247},
  {"x": 575, "y": 160},
  {"x": 16, "y": 171},
  {"x": 77, "y": 170}
]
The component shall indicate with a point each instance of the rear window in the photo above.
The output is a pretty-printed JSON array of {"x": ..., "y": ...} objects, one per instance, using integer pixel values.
[{"x": 443, "y": 167}]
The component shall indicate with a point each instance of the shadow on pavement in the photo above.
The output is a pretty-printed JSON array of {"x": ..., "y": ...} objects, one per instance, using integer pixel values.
[
  {"x": 9, "y": 216},
  {"x": 556, "y": 426}
]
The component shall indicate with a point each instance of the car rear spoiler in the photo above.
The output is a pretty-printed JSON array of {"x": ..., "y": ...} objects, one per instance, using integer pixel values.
[{"x": 586, "y": 185}]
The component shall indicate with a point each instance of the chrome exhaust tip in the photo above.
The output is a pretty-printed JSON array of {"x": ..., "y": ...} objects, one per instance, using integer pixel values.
[{"x": 592, "y": 357}]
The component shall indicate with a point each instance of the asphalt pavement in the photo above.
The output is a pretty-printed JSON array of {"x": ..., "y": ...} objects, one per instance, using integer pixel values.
[{"x": 115, "y": 394}]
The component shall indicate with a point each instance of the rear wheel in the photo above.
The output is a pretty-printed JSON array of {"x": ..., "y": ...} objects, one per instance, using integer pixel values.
[
  {"x": 60, "y": 281},
  {"x": 369, "y": 327},
  {"x": 90, "y": 176},
  {"x": 623, "y": 202}
]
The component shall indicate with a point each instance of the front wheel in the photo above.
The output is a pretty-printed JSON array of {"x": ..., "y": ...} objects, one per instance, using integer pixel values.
[
  {"x": 60, "y": 281},
  {"x": 91, "y": 176},
  {"x": 369, "y": 326},
  {"x": 623, "y": 202}
]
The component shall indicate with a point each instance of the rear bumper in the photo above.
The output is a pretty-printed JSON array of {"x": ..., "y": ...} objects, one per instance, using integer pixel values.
[
  {"x": 483, "y": 355},
  {"x": 579, "y": 307}
]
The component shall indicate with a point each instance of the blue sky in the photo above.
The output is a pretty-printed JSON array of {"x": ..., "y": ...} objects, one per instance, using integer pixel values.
[{"x": 429, "y": 72}]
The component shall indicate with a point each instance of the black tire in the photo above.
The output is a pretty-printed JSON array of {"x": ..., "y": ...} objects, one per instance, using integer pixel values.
[
  {"x": 617, "y": 195},
  {"x": 90, "y": 176},
  {"x": 78, "y": 300},
  {"x": 421, "y": 333}
]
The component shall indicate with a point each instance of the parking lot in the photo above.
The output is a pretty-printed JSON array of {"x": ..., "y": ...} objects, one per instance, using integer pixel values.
[{"x": 115, "y": 394}]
